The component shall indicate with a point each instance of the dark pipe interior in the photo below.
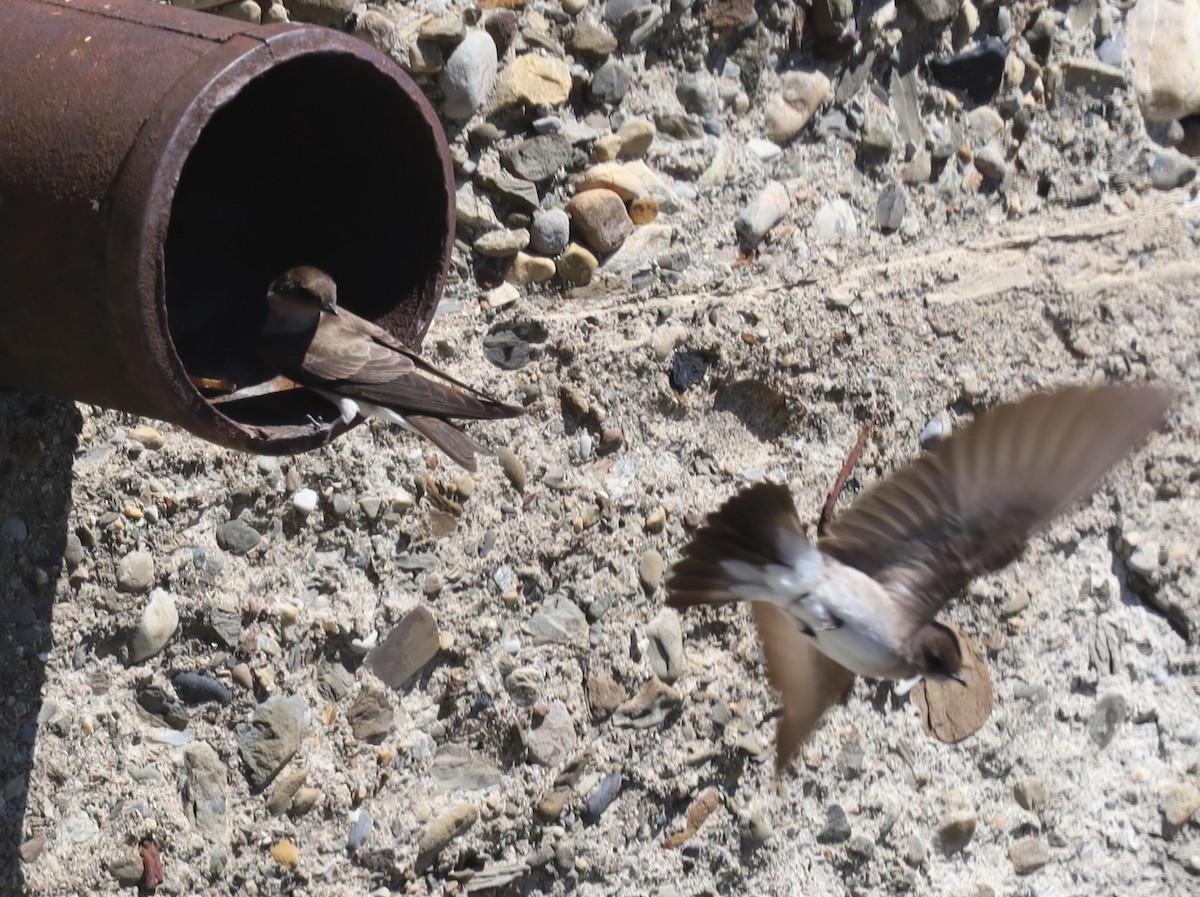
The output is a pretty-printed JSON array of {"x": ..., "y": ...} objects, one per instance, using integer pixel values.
[{"x": 324, "y": 161}]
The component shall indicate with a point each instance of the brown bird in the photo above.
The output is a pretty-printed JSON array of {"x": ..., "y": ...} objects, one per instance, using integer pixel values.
[
  {"x": 363, "y": 370},
  {"x": 863, "y": 600}
]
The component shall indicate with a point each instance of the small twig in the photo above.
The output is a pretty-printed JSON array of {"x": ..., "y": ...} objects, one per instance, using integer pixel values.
[{"x": 843, "y": 476}]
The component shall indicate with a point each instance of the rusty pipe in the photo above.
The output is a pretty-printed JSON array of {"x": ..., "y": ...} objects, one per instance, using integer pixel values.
[{"x": 158, "y": 167}]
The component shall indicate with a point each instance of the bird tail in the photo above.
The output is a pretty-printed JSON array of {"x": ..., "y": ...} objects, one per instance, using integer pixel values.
[
  {"x": 751, "y": 549},
  {"x": 461, "y": 448}
]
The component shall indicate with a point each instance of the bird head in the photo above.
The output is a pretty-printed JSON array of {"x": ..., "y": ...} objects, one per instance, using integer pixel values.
[
  {"x": 937, "y": 654},
  {"x": 303, "y": 291}
]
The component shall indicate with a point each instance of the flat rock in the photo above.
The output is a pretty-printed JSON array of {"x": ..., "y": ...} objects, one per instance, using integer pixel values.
[
  {"x": 411, "y": 644},
  {"x": 1162, "y": 40},
  {"x": 270, "y": 737}
]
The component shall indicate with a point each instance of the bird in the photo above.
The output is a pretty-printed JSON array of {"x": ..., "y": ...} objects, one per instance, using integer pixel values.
[
  {"x": 364, "y": 370},
  {"x": 863, "y": 600}
]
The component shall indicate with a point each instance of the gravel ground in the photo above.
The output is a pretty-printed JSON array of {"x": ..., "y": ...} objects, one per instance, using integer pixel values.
[{"x": 417, "y": 680}]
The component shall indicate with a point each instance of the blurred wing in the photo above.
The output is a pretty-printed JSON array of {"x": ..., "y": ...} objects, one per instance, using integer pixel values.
[
  {"x": 746, "y": 528},
  {"x": 808, "y": 681},
  {"x": 969, "y": 506},
  {"x": 460, "y": 447}
]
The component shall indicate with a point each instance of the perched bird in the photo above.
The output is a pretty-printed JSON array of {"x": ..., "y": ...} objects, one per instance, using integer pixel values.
[
  {"x": 863, "y": 599},
  {"x": 363, "y": 369}
]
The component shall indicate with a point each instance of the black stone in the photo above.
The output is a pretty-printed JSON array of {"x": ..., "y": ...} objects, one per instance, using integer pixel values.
[
  {"x": 977, "y": 71},
  {"x": 688, "y": 369}
]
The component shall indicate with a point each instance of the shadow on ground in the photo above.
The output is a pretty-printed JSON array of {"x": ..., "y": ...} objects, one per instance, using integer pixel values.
[{"x": 37, "y": 445}]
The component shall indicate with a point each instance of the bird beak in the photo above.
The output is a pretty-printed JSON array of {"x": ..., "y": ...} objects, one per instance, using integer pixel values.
[
  {"x": 959, "y": 678},
  {"x": 329, "y": 307}
]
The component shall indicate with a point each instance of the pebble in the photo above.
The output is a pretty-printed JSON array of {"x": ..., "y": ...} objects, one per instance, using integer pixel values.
[
  {"x": 604, "y": 695},
  {"x": 761, "y": 214},
  {"x": 559, "y": 622},
  {"x": 698, "y": 93},
  {"x": 468, "y": 76},
  {"x": 242, "y": 10},
  {"x": 524, "y": 685},
  {"x": 513, "y": 467},
  {"x": 666, "y": 645},
  {"x": 452, "y": 824},
  {"x": 534, "y": 80},
  {"x": 148, "y": 437},
  {"x": 1171, "y": 170},
  {"x": 285, "y": 854},
  {"x": 915, "y": 851},
  {"x": 73, "y": 552},
  {"x": 957, "y": 829},
  {"x": 502, "y": 25},
  {"x": 1178, "y": 804},
  {"x": 1162, "y": 40},
  {"x": 410, "y": 644},
  {"x": 610, "y": 83},
  {"x": 1110, "y": 714},
  {"x": 321, "y": 12},
  {"x": 551, "y": 739},
  {"x": 835, "y": 222},
  {"x": 158, "y": 623},
  {"x": 501, "y": 243},
  {"x": 989, "y": 161},
  {"x": 601, "y": 799},
  {"x": 601, "y": 219},
  {"x": 577, "y": 265},
  {"x": 837, "y": 826},
  {"x": 549, "y": 231},
  {"x": 527, "y": 269},
  {"x": 591, "y": 41},
  {"x": 978, "y": 71},
  {"x": 1028, "y": 855},
  {"x": 537, "y": 158},
  {"x": 204, "y": 789},
  {"x": 135, "y": 572},
  {"x": 787, "y": 112},
  {"x": 306, "y": 798},
  {"x": 754, "y": 831},
  {"x": 196, "y": 688},
  {"x": 650, "y": 570},
  {"x": 237, "y": 537},
  {"x": 284, "y": 789},
  {"x": 361, "y": 830},
  {"x": 1031, "y": 793},
  {"x": 305, "y": 501},
  {"x": 642, "y": 211},
  {"x": 371, "y": 715},
  {"x": 636, "y": 137},
  {"x": 890, "y": 209},
  {"x": 270, "y": 737}
]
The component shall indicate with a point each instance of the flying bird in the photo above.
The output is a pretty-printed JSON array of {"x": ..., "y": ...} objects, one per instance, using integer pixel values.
[
  {"x": 363, "y": 370},
  {"x": 863, "y": 600}
]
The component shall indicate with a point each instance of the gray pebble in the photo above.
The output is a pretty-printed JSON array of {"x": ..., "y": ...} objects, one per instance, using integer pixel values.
[
  {"x": 305, "y": 501},
  {"x": 361, "y": 830},
  {"x": 501, "y": 243},
  {"x": 371, "y": 715},
  {"x": 1110, "y": 713},
  {"x": 1031, "y": 793},
  {"x": 512, "y": 466},
  {"x": 73, "y": 551},
  {"x": 990, "y": 163},
  {"x": 469, "y": 74},
  {"x": 957, "y": 829},
  {"x": 698, "y": 93},
  {"x": 600, "y": 799},
  {"x": 1028, "y": 855},
  {"x": 237, "y": 537},
  {"x": 1170, "y": 170},
  {"x": 204, "y": 789},
  {"x": 835, "y": 222},
  {"x": 552, "y": 739},
  {"x": 14, "y": 530},
  {"x": 538, "y": 158},
  {"x": 558, "y": 623},
  {"x": 610, "y": 83},
  {"x": 666, "y": 645},
  {"x": 837, "y": 826},
  {"x": 271, "y": 736},
  {"x": 889, "y": 211},
  {"x": 549, "y": 232},
  {"x": 524, "y": 685},
  {"x": 762, "y": 213}
]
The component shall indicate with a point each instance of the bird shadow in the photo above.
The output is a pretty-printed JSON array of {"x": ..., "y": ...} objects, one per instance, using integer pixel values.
[{"x": 38, "y": 437}]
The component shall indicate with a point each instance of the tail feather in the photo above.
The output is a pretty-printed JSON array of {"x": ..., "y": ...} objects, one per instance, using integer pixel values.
[{"x": 461, "y": 448}]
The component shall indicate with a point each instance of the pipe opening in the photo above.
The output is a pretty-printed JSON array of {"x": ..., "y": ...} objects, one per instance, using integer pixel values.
[{"x": 320, "y": 160}]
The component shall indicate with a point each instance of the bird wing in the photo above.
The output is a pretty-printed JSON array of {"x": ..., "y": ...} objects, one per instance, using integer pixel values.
[
  {"x": 969, "y": 506},
  {"x": 746, "y": 528},
  {"x": 808, "y": 681},
  {"x": 352, "y": 356}
]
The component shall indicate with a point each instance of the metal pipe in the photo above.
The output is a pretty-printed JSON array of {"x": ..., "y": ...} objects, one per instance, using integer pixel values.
[{"x": 158, "y": 167}]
